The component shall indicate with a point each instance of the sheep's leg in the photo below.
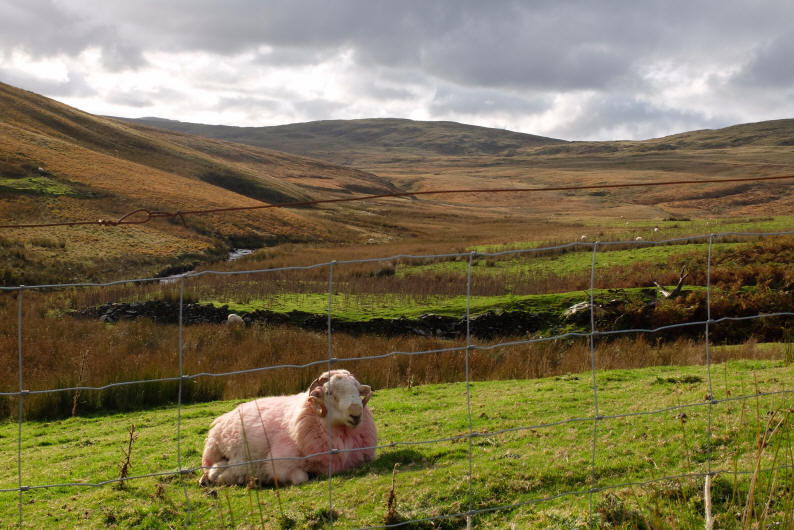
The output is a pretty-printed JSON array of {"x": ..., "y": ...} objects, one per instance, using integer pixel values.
[
  {"x": 214, "y": 475},
  {"x": 298, "y": 476},
  {"x": 234, "y": 475},
  {"x": 223, "y": 473}
]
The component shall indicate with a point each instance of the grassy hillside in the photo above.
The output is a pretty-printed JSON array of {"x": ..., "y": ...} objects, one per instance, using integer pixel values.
[
  {"x": 436, "y": 155},
  {"x": 765, "y": 133},
  {"x": 531, "y": 459},
  {"x": 58, "y": 164},
  {"x": 101, "y": 168}
]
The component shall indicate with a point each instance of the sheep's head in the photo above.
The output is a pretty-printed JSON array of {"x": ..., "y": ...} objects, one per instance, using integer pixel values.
[{"x": 338, "y": 394}]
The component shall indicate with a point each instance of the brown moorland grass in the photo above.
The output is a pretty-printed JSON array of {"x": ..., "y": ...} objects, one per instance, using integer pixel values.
[
  {"x": 749, "y": 279},
  {"x": 90, "y": 168},
  {"x": 744, "y": 262},
  {"x": 63, "y": 353},
  {"x": 114, "y": 167}
]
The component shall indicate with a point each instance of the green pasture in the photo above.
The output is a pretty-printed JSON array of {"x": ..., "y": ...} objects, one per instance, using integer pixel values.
[
  {"x": 365, "y": 307},
  {"x": 628, "y": 230},
  {"x": 569, "y": 263},
  {"x": 37, "y": 185},
  {"x": 531, "y": 459}
]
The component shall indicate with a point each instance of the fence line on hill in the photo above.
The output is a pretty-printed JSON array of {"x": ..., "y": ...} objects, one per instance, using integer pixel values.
[
  {"x": 141, "y": 216},
  {"x": 469, "y": 347}
]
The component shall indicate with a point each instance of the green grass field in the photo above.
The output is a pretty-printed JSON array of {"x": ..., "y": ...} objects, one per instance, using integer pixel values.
[
  {"x": 363, "y": 307},
  {"x": 541, "y": 471},
  {"x": 622, "y": 230},
  {"x": 575, "y": 262}
]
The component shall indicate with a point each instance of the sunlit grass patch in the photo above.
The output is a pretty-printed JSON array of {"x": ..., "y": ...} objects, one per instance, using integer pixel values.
[
  {"x": 574, "y": 261},
  {"x": 363, "y": 307},
  {"x": 545, "y": 453},
  {"x": 39, "y": 185}
]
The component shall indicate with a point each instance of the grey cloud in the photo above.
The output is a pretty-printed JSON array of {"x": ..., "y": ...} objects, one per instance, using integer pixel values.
[
  {"x": 450, "y": 100},
  {"x": 291, "y": 56},
  {"x": 377, "y": 90},
  {"x": 117, "y": 57},
  {"x": 771, "y": 65},
  {"x": 318, "y": 109},
  {"x": 560, "y": 45},
  {"x": 602, "y": 116},
  {"x": 42, "y": 28},
  {"x": 138, "y": 98},
  {"x": 249, "y": 104},
  {"x": 507, "y": 55},
  {"x": 45, "y": 28},
  {"x": 129, "y": 99},
  {"x": 74, "y": 86},
  {"x": 523, "y": 50}
]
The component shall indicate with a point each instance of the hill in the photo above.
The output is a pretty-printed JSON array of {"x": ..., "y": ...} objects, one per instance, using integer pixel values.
[
  {"x": 421, "y": 156},
  {"x": 58, "y": 164},
  {"x": 764, "y": 133},
  {"x": 61, "y": 164},
  {"x": 343, "y": 141}
]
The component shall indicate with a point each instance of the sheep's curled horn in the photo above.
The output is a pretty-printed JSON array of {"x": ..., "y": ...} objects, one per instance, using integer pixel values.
[
  {"x": 316, "y": 392},
  {"x": 320, "y": 381}
]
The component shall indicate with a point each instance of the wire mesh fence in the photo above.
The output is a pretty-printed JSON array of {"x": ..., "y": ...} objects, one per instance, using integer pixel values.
[{"x": 598, "y": 413}]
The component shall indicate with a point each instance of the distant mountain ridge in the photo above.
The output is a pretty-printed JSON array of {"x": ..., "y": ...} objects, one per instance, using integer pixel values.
[
  {"x": 364, "y": 141},
  {"x": 770, "y": 132},
  {"x": 431, "y": 137}
]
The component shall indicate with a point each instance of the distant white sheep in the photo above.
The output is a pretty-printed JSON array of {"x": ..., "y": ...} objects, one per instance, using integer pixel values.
[
  {"x": 293, "y": 431},
  {"x": 235, "y": 320}
]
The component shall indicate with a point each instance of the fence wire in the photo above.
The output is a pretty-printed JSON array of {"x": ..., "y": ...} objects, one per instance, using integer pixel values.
[{"x": 469, "y": 347}]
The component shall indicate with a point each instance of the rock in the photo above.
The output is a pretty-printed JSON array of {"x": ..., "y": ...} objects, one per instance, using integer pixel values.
[{"x": 575, "y": 311}]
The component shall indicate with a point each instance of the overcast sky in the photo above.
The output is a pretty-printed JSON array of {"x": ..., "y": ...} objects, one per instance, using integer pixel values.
[{"x": 575, "y": 70}]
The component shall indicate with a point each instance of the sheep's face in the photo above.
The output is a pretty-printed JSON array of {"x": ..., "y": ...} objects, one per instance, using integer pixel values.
[{"x": 339, "y": 395}]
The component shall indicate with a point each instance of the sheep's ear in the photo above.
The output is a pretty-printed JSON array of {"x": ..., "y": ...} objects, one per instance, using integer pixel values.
[
  {"x": 366, "y": 393},
  {"x": 317, "y": 401}
]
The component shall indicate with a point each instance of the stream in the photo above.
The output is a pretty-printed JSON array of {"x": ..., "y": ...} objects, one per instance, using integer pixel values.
[{"x": 234, "y": 254}]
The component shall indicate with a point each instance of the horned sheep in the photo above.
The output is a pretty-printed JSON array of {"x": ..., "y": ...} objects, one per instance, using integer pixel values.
[{"x": 283, "y": 439}]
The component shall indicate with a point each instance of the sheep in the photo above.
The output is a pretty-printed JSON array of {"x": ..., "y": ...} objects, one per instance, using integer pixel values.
[
  {"x": 234, "y": 320},
  {"x": 292, "y": 430}
]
